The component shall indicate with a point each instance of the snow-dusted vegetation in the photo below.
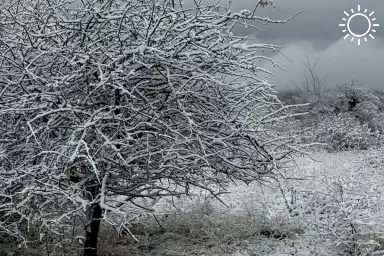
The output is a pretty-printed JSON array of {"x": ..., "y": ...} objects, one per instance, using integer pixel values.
[
  {"x": 330, "y": 206},
  {"x": 147, "y": 127}
]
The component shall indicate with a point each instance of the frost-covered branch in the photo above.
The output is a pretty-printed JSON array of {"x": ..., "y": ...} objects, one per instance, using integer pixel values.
[{"x": 117, "y": 101}]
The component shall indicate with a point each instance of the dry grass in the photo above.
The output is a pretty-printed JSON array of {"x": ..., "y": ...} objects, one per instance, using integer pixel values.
[
  {"x": 201, "y": 231},
  {"x": 336, "y": 210}
]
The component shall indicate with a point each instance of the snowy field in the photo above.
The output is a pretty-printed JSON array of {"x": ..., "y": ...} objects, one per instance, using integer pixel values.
[{"x": 331, "y": 206}]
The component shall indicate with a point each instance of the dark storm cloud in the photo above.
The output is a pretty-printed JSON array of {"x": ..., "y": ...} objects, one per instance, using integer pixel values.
[{"x": 315, "y": 33}]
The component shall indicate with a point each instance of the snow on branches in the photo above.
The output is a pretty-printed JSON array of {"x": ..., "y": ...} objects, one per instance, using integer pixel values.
[{"x": 120, "y": 100}]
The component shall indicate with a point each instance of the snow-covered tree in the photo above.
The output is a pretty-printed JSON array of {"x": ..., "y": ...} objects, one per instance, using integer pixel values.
[{"x": 116, "y": 101}]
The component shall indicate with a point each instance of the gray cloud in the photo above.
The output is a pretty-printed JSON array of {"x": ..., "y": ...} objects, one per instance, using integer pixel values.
[
  {"x": 341, "y": 62},
  {"x": 316, "y": 33},
  {"x": 318, "y": 21}
]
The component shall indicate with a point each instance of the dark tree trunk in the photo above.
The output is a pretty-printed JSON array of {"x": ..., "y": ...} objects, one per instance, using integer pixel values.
[{"x": 92, "y": 231}]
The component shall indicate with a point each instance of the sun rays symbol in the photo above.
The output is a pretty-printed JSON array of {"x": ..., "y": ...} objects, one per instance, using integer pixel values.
[{"x": 364, "y": 14}]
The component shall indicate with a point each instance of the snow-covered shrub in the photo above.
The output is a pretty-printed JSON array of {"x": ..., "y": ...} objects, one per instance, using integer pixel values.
[
  {"x": 343, "y": 217},
  {"x": 340, "y": 132},
  {"x": 341, "y": 203},
  {"x": 346, "y": 117},
  {"x": 364, "y": 104}
]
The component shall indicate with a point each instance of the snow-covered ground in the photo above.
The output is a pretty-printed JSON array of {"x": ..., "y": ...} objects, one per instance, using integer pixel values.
[{"x": 330, "y": 206}]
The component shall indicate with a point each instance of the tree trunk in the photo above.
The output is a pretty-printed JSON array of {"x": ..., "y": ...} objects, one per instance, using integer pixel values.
[{"x": 92, "y": 231}]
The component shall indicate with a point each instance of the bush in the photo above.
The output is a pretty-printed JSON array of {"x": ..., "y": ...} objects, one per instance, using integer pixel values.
[
  {"x": 365, "y": 105},
  {"x": 345, "y": 117},
  {"x": 345, "y": 208},
  {"x": 340, "y": 132}
]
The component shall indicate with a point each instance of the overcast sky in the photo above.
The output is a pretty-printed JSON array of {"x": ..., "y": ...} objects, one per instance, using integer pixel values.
[{"x": 316, "y": 33}]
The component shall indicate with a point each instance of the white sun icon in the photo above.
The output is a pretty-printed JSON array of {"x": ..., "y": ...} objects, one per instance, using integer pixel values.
[{"x": 370, "y": 29}]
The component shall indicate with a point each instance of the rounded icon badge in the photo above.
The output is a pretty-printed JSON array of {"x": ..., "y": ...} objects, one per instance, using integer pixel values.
[{"x": 369, "y": 30}]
